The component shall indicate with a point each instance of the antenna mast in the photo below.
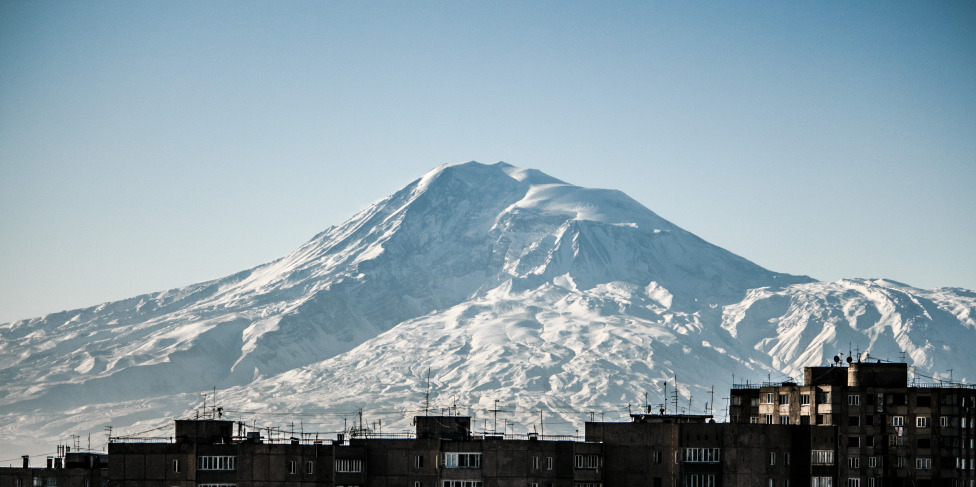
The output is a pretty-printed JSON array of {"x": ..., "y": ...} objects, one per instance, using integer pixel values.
[{"x": 427, "y": 394}]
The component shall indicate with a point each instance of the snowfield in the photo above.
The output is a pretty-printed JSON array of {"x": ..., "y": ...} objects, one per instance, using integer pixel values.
[{"x": 506, "y": 284}]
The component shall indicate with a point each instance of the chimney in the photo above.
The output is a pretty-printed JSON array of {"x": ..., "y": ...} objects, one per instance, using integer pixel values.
[{"x": 26, "y": 461}]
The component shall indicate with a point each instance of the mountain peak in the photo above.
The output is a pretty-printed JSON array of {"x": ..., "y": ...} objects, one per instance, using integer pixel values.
[{"x": 507, "y": 280}]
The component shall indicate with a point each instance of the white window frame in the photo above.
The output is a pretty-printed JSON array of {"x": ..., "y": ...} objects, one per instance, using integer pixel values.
[
  {"x": 822, "y": 457},
  {"x": 462, "y": 460},
  {"x": 702, "y": 455},
  {"x": 922, "y": 422},
  {"x": 923, "y": 464},
  {"x": 898, "y": 421},
  {"x": 348, "y": 465},
  {"x": 292, "y": 467},
  {"x": 549, "y": 463},
  {"x": 700, "y": 480},
  {"x": 216, "y": 462},
  {"x": 853, "y": 400},
  {"x": 821, "y": 481},
  {"x": 588, "y": 462}
]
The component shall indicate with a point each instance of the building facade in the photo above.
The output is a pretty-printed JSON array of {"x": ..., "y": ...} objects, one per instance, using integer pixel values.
[{"x": 890, "y": 433}]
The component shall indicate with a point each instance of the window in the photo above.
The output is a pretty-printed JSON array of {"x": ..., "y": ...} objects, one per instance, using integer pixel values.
[
  {"x": 700, "y": 480},
  {"x": 703, "y": 455},
  {"x": 898, "y": 421},
  {"x": 754, "y": 402},
  {"x": 853, "y": 421},
  {"x": 461, "y": 483},
  {"x": 213, "y": 462},
  {"x": 923, "y": 401},
  {"x": 462, "y": 460},
  {"x": 534, "y": 484},
  {"x": 872, "y": 462},
  {"x": 943, "y": 421},
  {"x": 309, "y": 468},
  {"x": 821, "y": 482},
  {"x": 176, "y": 466},
  {"x": 786, "y": 456},
  {"x": 736, "y": 400},
  {"x": 823, "y": 397},
  {"x": 657, "y": 457},
  {"x": 854, "y": 441},
  {"x": 418, "y": 484},
  {"x": 753, "y": 419},
  {"x": 772, "y": 458},
  {"x": 535, "y": 463},
  {"x": 784, "y": 399},
  {"x": 902, "y": 462},
  {"x": 772, "y": 483},
  {"x": 769, "y": 419},
  {"x": 854, "y": 482},
  {"x": 922, "y": 422},
  {"x": 923, "y": 443},
  {"x": 770, "y": 397},
  {"x": 419, "y": 463},
  {"x": 854, "y": 462},
  {"x": 923, "y": 463},
  {"x": 853, "y": 400},
  {"x": 822, "y": 457},
  {"x": 588, "y": 462},
  {"x": 784, "y": 420},
  {"x": 348, "y": 465},
  {"x": 804, "y": 399},
  {"x": 549, "y": 463},
  {"x": 292, "y": 467}
]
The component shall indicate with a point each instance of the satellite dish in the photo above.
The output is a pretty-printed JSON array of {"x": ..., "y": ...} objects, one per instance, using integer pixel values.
[
  {"x": 849, "y": 359},
  {"x": 836, "y": 359}
]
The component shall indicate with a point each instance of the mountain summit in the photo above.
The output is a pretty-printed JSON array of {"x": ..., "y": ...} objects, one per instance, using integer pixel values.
[{"x": 506, "y": 283}]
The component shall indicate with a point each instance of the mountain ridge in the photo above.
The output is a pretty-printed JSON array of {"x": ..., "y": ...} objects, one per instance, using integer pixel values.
[{"x": 518, "y": 283}]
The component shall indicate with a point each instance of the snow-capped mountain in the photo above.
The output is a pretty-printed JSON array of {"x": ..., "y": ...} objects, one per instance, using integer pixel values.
[{"x": 507, "y": 284}]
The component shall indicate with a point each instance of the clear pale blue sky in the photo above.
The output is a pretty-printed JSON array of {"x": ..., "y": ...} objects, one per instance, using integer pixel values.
[{"x": 150, "y": 145}]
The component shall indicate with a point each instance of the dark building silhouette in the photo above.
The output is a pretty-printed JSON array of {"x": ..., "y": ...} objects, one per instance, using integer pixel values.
[{"x": 860, "y": 425}]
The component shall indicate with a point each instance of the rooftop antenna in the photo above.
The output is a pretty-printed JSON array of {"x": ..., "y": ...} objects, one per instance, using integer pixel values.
[
  {"x": 665, "y": 410},
  {"x": 712, "y": 401},
  {"x": 427, "y": 394},
  {"x": 494, "y": 427},
  {"x": 542, "y": 425},
  {"x": 675, "y": 393}
]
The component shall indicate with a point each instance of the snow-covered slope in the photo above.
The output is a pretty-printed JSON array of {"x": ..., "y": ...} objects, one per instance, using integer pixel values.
[{"x": 506, "y": 283}]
